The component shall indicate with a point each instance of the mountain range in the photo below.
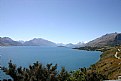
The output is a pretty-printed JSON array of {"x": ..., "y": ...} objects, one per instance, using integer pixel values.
[
  {"x": 111, "y": 39},
  {"x": 39, "y": 42},
  {"x": 70, "y": 45},
  {"x": 6, "y": 41}
]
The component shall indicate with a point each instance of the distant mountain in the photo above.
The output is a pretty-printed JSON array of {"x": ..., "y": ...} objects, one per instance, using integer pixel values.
[
  {"x": 6, "y": 41},
  {"x": 21, "y": 41},
  {"x": 39, "y": 42},
  {"x": 70, "y": 45},
  {"x": 111, "y": 39},
  {"x": 80, "y": 44},
  {"x": 60, "y": 44}
]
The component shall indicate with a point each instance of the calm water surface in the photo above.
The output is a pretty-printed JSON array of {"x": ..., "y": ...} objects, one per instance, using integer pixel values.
[{"x": 71, "y": 59}]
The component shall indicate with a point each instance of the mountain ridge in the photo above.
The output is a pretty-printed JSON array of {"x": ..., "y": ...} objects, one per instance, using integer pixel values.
[
  {"x": 111, "y": 39},
  {"x": 6, "y": 41},
  {"x": 39, "y": 42}
]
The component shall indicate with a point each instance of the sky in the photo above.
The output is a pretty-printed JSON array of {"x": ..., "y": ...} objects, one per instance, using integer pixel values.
[{"x": 60, "y": 21}]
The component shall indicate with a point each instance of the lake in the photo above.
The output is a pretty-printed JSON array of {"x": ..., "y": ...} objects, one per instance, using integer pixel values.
[{"x": 71, "y": 59}]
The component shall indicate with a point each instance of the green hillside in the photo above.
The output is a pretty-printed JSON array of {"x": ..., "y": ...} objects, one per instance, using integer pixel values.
[{"x": 108, "y": 64}]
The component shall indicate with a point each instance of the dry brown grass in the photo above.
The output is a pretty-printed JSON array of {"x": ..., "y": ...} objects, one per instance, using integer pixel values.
[{"x": 109, "y": 65}]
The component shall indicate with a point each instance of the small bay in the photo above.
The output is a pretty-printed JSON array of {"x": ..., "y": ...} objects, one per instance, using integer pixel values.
[{"x": 71, "y": 59}]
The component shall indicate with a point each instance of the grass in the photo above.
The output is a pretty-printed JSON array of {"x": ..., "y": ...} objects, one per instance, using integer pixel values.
[{"x": 108, "y": 64}]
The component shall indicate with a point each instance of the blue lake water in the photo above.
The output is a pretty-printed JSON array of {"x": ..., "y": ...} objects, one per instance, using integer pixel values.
[{"x": 71, "y": 59}]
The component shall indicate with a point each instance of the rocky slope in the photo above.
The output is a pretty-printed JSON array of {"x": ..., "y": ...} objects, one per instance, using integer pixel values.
[
  {"x": 111, "y": 39},
  {"x": 39, "y": 42},
  {"x": 6, "y": 41}
]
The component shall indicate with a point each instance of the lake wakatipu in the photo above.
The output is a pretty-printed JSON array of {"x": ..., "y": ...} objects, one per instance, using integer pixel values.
[{"x": 71, "y": 59}]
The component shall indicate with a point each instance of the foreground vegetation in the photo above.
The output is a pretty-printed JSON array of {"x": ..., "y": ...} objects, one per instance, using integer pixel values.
[{"x": 38, "y": 72}]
